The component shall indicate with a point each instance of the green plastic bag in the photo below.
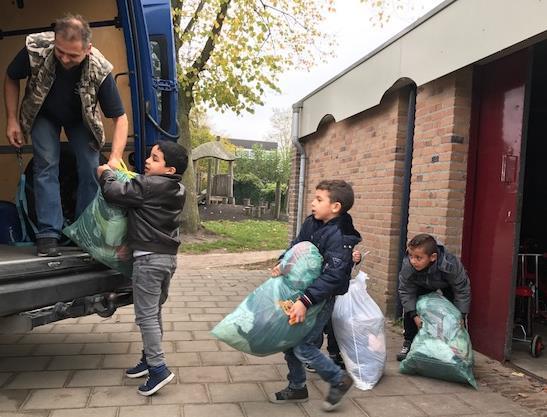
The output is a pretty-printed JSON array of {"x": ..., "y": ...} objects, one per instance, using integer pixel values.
[
  {"x": 102, "y": 228},
  {"x": 258, "y": 325},
  {"x": 442, "y": 348}
]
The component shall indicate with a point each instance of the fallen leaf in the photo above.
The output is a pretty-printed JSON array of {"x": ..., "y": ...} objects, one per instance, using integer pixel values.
[{"x": 517, "y": 374}]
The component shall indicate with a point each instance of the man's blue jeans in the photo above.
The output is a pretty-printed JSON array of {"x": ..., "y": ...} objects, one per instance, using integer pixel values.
[
  {"x": 46, "y": 147},
  {"x": 307, "y": 352}
]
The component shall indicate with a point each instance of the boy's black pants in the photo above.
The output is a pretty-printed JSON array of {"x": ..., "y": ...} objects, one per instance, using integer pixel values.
[{"x": 410, "y": 327}]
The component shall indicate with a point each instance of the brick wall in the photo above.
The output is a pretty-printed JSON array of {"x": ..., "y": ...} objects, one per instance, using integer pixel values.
[
  {"x": 368, "y": 151},
  {"x": 439, "y": 166}
]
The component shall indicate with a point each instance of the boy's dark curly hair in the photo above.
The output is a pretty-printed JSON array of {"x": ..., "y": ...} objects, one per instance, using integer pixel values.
[
  {"x": 339, "y": 192},
  {"x": 424, "y": 241},
  {"x": 174, "y": 154}
]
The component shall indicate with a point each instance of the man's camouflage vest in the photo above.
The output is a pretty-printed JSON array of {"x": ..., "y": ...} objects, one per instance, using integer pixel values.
[{"x": 95, "y": 68}]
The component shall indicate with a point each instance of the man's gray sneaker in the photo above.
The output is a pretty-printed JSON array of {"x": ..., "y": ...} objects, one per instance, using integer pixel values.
[
  {"x": 289, "y": 395},
  {"x": 337, "y": 392},
  {"x": 401, "y": 356}
]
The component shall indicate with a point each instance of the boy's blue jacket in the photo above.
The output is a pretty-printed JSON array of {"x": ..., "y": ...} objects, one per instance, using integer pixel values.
[{"x": 335, "y": 241}]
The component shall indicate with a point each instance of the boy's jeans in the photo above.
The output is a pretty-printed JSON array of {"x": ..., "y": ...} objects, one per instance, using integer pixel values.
[
  {"x": 307, "y": 352},
  {"x": 151, "y": 276},
  {"x": 46, "y": 147}
]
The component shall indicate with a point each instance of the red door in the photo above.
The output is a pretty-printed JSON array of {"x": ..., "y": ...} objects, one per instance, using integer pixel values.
[{"x": 491, "y": 203}]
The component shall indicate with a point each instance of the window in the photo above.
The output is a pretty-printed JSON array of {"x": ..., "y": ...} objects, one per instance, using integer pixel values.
[{"x": 158, "y": 50}]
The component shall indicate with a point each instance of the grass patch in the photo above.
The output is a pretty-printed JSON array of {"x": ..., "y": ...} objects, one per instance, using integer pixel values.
[{"x": 248, "y": 235}]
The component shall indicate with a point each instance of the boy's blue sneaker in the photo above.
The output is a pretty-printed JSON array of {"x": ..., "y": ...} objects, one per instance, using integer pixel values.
[
  {"x": 140, "y": 369},
  {"x": 158, "y": 377}
]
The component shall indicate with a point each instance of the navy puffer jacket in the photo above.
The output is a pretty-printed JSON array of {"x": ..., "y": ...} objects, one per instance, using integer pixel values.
[{"x": 335, "y": 241}]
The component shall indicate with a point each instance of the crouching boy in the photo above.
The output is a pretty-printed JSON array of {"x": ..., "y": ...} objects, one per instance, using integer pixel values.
[
  {"x": 154, "y": 203},
  {"x": 429, "y": 267},
  {"x": 330, "y": 229}
]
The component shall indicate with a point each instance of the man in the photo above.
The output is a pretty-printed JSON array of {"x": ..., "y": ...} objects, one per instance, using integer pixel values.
[{"x": 66, "y": 79}]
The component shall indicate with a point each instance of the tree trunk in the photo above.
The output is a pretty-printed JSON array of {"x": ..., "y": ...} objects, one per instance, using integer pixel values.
[
  {"x": 190, "y": 214},
  {"x": 277, "y": 199}
]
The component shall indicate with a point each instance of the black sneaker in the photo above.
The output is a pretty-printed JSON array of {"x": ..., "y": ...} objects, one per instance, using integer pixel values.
[
  {"x": 337, "y": 359},
  {"x": 140, "y": 369},
  {"x": 404, "y": 351},
  {"x": 158, "y": 377},
  {"x": 289, "y": 395},
  {"x": 310, "y": 369},
  {"x": 47, "y": 246},
  {"x": 337, "y": 392}
]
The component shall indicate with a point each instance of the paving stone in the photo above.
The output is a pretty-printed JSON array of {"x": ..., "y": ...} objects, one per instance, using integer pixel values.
[
  {"x": 202, "y": 335},
  {"x": 11, "y": 338},
  {"x": 15, "y": 350},
  {"x": 488, "y": 402},
  {"x": 207, "y": 317},
  {"x": 11, "y": 399},
  {"x": 347, "y": 408},
  {"x": 222, "y": 358},
  {"x": 105, "y": 348},
  {"x": 389, "y": 407},
  {"x": 177, "y": 335},
  {"x": 395, "y": 385},
  {"x": 253, "y": 373},
  {"x": 187, "y": 310},
  {"x": 262, "y": 409},
  {"x": 441, "y": 404},
  {"x": 113, "y": 328},
  {"x": 116, "y": 396},
  {"x": 120, "y": 361},
  {"x": 182, "y": 359},
  {"x": 151, "y": 410},
  {"x": 4, "y": 376},
  {"x": 75, "y": 362},
  {"x": 72, "y": 328},
  {"x": 203, "y": 374},
  {"x": 101, "y": 377},
  {"x": 58, "y": 349},
  {"x": 190, "y": 325},
  {"x": 39, "y": 338},
  {"x": 213, "y": 410},
  {"x": 85, "y": 412},
  {"x": 238, "y": 392},
  {"x": 87, "y": 338},
  {"x": 57, "y": 398},
  {"x": 218, "y": 310},
  {"x": 136, "y": 347},
  {"x": 25, "y": 414},
  {"x": 435, "y": 386},
  {"x": 42, "y": 379},
  {"x": 126, "y": 337},
  {"x": 38, "y": 363},
  {"x": 181, "y": 394},
  {"x": 226, "y": 348},
  {"x": 197, "y": 346}
]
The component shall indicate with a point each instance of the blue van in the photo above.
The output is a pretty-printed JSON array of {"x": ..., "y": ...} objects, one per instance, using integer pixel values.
[{"x": 136, "y": 36}]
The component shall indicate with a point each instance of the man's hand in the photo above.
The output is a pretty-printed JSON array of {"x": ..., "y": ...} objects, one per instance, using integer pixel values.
[
  {"x": 297, "y": 314},
  {"x": 101, "y": 169},
  {"x": 14, "y": 133},
  {"x": 356, "y": 256},
  {"x": 418, "y": 322},
  {"x": 276, "y": 271},
  {"x": 114, "y": 162}
]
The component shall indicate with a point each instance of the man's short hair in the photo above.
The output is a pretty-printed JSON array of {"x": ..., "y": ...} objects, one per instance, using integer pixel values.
[
  {"x": 73, "y": 27},
  {"x": 174, "y": 154},
  {"x": 425, "y": 242},
  {"x": 339, "y": 192}
]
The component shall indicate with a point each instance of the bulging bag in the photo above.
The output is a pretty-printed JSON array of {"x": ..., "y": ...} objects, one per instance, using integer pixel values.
[
  {"x": 259, "y": 325},
  {"x": 442, "y": 348},
  {"x": 101, "y": 230},
  {"x": 358, "y": 325}
]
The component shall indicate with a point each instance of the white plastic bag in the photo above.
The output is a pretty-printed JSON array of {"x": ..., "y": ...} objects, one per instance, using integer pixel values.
[{"x": 358, "y": 326}]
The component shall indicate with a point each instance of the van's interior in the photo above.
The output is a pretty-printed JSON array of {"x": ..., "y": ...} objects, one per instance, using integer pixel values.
[{"x": 18, "y": 17}]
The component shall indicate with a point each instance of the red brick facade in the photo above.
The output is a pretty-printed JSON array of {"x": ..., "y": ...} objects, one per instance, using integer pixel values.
[{"x": 368, "y": 151}]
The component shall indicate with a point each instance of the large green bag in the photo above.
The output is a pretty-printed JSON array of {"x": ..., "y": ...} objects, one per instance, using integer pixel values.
[
  {"x": 442, "y": 348},
  {"x": 101, "y": 230},
  {"x": 258, "y": 325}
]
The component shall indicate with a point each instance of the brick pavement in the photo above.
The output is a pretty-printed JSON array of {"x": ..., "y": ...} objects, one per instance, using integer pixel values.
[{"x": 75, "y": 368}]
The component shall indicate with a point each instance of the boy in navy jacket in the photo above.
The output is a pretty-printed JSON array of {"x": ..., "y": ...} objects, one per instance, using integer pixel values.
[{"x": 330, "y": 229}]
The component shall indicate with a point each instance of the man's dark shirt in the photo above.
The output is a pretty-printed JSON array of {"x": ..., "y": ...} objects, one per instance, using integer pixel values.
[{"x": 62, "y": 104}]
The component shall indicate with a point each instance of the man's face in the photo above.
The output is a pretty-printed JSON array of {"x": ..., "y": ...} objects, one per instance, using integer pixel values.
[
  {"x": 419, "y": 259},
  {"x": 322, "y": 208},
  {"x": 70, "y": 53}
]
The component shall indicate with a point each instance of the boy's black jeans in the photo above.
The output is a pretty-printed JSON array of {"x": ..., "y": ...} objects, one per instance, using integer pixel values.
[{"x": 410, "y": 327}]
